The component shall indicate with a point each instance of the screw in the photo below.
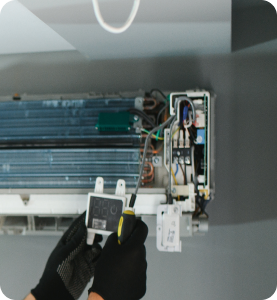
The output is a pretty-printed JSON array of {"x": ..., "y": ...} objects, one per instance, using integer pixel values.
[
  {"x": 173, "y": 191},
  {"x": 176, "y": 210},
  {"x": 187, "y": 160},
  {"x": 156, "y": 160},
  {"x": 136, "y": 118},
  {"x": 181, "y": 160}
]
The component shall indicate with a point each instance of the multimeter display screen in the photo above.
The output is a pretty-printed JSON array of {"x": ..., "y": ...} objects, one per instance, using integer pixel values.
[{"x": 104, "y": 214}]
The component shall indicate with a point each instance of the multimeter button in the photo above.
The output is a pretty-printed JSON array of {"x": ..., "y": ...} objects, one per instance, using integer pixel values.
[{"x": 113, "y": 210}]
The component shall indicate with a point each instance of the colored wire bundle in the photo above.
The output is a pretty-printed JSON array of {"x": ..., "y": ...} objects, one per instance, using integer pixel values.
[{"x": 153, "y": 135}]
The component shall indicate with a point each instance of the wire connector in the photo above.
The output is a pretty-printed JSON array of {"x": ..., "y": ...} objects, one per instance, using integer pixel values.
[
  {"x": 181, "y": 139},
  {"x": 187, "y": 141},
  {"x": 175, "y": 139}
]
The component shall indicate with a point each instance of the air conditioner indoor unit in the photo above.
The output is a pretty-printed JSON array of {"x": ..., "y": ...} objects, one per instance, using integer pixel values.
[{"x": 53, "y": 147}]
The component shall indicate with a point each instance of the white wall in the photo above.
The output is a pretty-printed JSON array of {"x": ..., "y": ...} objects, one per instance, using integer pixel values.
[{"x": 230, "y": 262}]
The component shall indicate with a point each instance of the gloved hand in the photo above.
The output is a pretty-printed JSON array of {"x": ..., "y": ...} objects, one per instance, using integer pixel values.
[
  {"x": 70, "y": 266},
  {"x": 120, "y": 272}
]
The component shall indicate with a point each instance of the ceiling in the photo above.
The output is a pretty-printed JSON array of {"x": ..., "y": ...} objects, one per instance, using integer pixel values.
[
  {"x": 161, "y": 28},
  {"x": 23, "y": 32}
]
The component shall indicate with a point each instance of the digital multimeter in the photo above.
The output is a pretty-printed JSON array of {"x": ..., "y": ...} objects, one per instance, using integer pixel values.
[{"x": 104, "y": 210}]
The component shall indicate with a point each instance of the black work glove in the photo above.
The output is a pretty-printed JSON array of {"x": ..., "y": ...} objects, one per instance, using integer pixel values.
[
  {"x": 70, "y": 266},
  {"x": 120, "y": 272}
]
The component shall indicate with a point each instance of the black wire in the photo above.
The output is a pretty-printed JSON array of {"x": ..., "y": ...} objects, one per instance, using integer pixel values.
[
  {"x": 192, "y": 136},
  {"x": 195, "y": 178},
  {"x": 143, "y": 115},
  {"x": 185, "y": 167},
  {"x": 159, "y": 91},
  {"x": 160, "y": 112}
]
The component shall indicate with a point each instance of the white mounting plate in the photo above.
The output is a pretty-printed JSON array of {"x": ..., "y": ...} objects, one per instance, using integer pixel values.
[
  {"x": 120, "y": 188},
  {"x": 99, "y": 185}
]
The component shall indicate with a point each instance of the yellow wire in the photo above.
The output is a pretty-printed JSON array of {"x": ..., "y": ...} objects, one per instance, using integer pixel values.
[
  {"x": 159, "y": 138},
  {"x": 171, "y": 168},
  {"x": 175, "y": 131},
  {"x": 174, "y": 177},
  {"x": 153, "y": 135},
  {"x": 175, "y": 181}
]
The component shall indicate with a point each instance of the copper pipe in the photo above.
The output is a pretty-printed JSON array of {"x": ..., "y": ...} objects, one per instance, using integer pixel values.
[
  {"x": 148, "y": 180},
  {"x": 150, "y": 100},
  {"x": 166, "y": 114},
  {"x": 153, "y": 150},
  {"x": 150, "y": 151},
  {"x": 159, "y": 149},
  {"x": 151, "y": 169},
  {"x": 152, "y": 147}
]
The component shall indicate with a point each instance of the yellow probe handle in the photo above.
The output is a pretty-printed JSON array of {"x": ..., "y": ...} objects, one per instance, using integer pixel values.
[{"x": 126, "y": 226}]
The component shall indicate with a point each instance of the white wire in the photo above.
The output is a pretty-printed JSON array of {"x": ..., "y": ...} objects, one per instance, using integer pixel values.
[
  {"x": 190, "y": 121},
  {"x": 110, "y": 28}
]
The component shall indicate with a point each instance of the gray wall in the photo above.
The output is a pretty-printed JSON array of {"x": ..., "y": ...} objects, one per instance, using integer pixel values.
[{"x": 237, "y": 258}]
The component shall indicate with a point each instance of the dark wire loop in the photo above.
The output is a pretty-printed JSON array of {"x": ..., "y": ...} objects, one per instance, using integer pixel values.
[{"x": 159, "y": 91}]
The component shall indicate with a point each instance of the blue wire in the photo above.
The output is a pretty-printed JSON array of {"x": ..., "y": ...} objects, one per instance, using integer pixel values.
[
  {"x": 177, "y": 169},
  {"x": 185, "y": 113}
]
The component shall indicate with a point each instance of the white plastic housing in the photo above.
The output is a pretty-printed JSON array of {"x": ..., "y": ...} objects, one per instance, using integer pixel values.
[{"x": 168, "y": 228}]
